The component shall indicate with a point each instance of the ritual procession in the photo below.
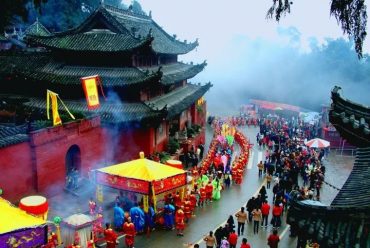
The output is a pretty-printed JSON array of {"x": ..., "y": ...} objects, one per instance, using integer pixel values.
[{"x": 117, "y": 133}]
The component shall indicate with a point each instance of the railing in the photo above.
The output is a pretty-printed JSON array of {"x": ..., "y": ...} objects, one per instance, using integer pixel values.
[{"x": 343, "y": 152}]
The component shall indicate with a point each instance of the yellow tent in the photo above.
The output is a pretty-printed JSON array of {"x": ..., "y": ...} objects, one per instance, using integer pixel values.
[
  {"x": 12, "y": 218},
  {"x": 142, "y": 176}
]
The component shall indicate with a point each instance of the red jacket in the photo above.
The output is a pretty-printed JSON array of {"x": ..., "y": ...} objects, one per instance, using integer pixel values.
[
  {"x": 276, "y": 211},
  {"x": 265, "y": 209},
  {"x": 233, "y": 238},
  {"x": 273, "y": 240},
  {"x": 245, "y": 245}
]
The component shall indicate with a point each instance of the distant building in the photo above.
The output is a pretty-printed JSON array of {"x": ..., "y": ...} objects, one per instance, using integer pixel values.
[
  {"x": 346, "y": 222},
  {"x": 149, "y": 99}
]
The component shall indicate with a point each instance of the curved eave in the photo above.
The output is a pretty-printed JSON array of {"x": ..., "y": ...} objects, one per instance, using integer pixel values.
[
  {"x": 350, "y": 119},
  {"x": 102, "y": 48}
]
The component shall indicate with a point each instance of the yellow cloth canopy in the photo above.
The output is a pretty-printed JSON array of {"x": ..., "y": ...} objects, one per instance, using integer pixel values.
[
  {"x": 12, "y": 218},
  {"x": 142, "y": 169}
]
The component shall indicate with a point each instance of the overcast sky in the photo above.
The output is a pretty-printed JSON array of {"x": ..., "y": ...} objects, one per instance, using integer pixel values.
[{"x": 229, "y": 30}]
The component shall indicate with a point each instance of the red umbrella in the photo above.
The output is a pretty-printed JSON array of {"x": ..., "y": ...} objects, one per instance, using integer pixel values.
[{"x": 317, "y": 143}]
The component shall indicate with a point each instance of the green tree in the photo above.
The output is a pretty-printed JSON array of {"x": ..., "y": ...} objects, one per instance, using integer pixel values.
[{"x": 350, "y": 14}]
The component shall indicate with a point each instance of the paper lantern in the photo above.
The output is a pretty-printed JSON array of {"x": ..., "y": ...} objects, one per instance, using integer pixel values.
[{"x": 36, "y": 205}]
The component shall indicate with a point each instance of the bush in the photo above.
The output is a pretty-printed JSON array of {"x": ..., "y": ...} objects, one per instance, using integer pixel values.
[{"x": 173, "y": 145}]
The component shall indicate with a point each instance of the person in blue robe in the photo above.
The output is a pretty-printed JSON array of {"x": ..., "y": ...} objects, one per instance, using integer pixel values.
[
  {"x": 150, "y": 218},
  {"x": 169, "y": 218},
  {"x": 138, "y": 218},
  {"x": 118, "y": 216}
]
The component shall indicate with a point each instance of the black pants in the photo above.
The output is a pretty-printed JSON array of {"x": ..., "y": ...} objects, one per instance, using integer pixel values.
[
  {"x": 232, "y": 246},
  {"x": 256, "y": 225},
  {"x": 259, "y": 173},
  {"x": 240, "y": 228},
  {"x": 268, "y": 184},
  {"x": 264, "y": 220}
]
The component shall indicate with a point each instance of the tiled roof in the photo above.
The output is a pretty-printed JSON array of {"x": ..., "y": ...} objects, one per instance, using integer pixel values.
[
  {"x": 355, "y": 191},
  {"x": 176, "y": 72},
  {"x": 179, "y": 99},
  {"x": 93, "y": 41},
  {"x": 143, "y": 25},
  {"x": 330, "y": 226},
  {"x": 12, "y": 135},
  {"x": 44, "y": 68},
  {"x": 352, "y": 120},
  {"x": 37, "y": 29},
  {"x": 110, "y": 113}
]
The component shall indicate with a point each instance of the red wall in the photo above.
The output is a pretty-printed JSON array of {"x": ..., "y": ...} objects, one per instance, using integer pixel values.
[
  {"x": 125, "y": 145},
  {"x": 16, "y": 178},
  {"x": 51, "y": 145}
]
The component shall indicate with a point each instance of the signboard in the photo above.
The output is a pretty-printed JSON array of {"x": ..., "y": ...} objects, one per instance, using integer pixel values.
[
  {"x": 32, "y": 237},
  {"x": 169, "y": 183},
  {"x": 90, "y": 87},
  {"x": 129, "y": 184}
]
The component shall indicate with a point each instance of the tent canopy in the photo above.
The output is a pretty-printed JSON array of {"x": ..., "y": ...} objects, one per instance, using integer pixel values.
[
  {"x": 140, "y": 175},
  {"x": 142, "y": 169},
  {"x": 12, "y": 218}
]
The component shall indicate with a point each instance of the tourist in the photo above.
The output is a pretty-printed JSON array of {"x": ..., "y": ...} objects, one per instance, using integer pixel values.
[
  {"x": 230, "y": 222},
  {"x": 276, "y": 214},
  {"x": 219, "y": 235},
  {"x": 210, "y": 240},
  {"x": 245, "y": 243},
  {"x": 250, "y": 206},
  {"x": 110, "y": 236},
  {"x": 241, "y": 218},
  {"x": 273, "y": 239},
  {"x": 225, "y": 243},
  {"x": 257, "y": 217},
  {"x": 268, "y": 180},
  {"x": 233, "y": 239},
  {"x": 265, "y": 210},
  {"x": 260, "y": 168},
  {"x": 129, "y": 231}
]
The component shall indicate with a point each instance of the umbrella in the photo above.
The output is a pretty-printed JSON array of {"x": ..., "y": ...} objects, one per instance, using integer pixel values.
[{"x": 317, "y": 143}]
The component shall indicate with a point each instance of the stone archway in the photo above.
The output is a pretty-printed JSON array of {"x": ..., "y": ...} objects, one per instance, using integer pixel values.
[{"x": 73, "y": 161}]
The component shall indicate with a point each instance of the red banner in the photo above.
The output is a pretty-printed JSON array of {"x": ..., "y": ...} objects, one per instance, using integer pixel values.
[
  {"x": 89, "y": 85},
  {"x": 129, "y": 184},
  {"x": 169, "y": 183}
]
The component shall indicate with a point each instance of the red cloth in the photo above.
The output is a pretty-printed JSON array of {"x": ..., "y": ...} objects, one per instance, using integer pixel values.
[
  {"x": 209, "y": 190},
  {"x": 233, "y": 238},
  {"x": 273, "y": 240},
  {"x": 187, "y": 209},
  {"x": 110, "y": 237},
  {"x": 129, "y": 230},
  {"x": 203, "y": 194},
  {"x": 245, "y": 246},
  {"x": 276, "y": 211},
  {"x": 193, "y": 201},
  {"x": 265, "y": 209}
]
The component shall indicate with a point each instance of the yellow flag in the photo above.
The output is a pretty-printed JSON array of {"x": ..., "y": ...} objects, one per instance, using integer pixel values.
[
  {"x": 146, "y": 203},
  {"x": 54, "y": 107},
  {"x": 154, "y": 199}
]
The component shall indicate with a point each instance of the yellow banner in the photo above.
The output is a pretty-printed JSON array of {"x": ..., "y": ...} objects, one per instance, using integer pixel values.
[
  {"x": 99, "y": 193},
  {"x": 91, "y": 91},
  {"x": 146, "y": 203},
  {"x": 54, "y": 107},
  {"x": 154, "y": 199}
]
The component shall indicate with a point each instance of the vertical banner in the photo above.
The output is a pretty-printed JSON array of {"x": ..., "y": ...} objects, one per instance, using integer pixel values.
[
  {"x": 54, "y": 107},
  {"x": 99, "y": 193},
  {"x": 182, "y": 193},
  {"x": 146, "y": 203},
  {"x": 90, "y": 87},
  {"x": 154, "y": 199}
]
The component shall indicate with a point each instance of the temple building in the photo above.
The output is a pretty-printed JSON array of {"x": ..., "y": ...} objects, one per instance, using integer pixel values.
[
  {"x": 148, "y": 99},
  {"x": 346, "y": 222}
]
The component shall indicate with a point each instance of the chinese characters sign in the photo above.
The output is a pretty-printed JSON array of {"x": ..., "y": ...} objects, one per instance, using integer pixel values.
[{"x": 90, "y": 88}]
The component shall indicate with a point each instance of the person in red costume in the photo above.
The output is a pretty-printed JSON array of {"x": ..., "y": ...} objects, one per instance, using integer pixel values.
[
  {"x": 129, "y": 230},
  {"x": 203, "y": 196},
  {"x": 177, "y": 200},
  {"x": 193, "y": 202},
  {"x": 187, "y": 209},
  {"x": 180, "y": 221},
  {"x": 110, "y": 236},
  {"x": 209, "y": 191},
  {"x": 52, "y": 240}
]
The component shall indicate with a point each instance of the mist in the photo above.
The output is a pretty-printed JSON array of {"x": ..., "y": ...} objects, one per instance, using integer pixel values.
[{"x": 285, "y": 72}]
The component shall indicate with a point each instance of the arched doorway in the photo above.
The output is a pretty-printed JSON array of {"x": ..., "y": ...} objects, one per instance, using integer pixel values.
[{"x": 73, "y": 162}]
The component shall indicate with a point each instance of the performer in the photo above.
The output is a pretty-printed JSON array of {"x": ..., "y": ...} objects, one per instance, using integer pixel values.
[
  {"x": 193, "y": 202},
  {"x": 209, "y": 190},
  {"x": 149, "y": 219},
  {"x": 216, "y": 194},
  {"x": 169, "y": 211},
  {"x": 180, "y": 221},
  {"x": 187, "y": 209},
  {"x": 129, "y": 230},
  {"x": 110, "y": 236},
  {"x": 52, "y": 240},
  {"x": 177, "y": 200},
  {"x": 118, "y": 216},
  {"x": 203, "y": 196},
  {"x": 92, "y": 206},
  {"x": 138, "y": 218}
]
